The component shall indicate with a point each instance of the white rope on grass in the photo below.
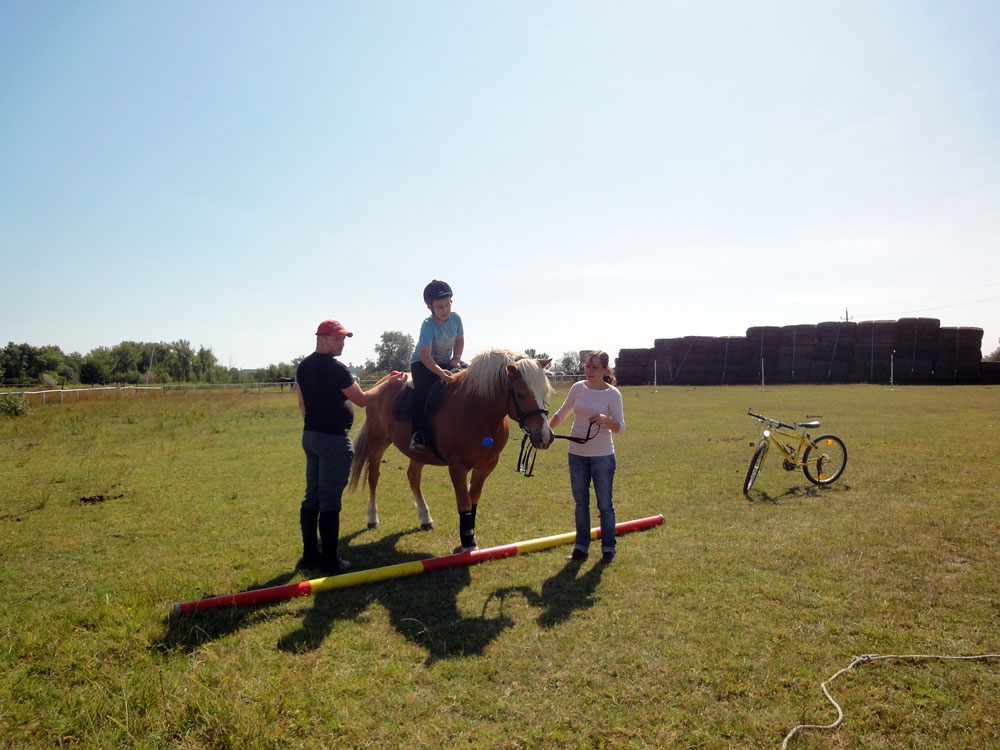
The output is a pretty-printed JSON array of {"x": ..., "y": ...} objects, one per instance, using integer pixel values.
[{"x": 864, "y": 660}]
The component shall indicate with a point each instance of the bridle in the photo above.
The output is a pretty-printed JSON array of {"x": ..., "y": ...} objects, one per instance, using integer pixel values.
[
  {"x": 526, "y": 458},
  {"x": 521, "y": 415}
]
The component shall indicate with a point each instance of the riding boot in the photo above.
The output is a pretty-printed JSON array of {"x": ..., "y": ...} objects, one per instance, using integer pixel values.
[
  {"x": 308, "y": 520},
  {"x": 329, "y": 532}
]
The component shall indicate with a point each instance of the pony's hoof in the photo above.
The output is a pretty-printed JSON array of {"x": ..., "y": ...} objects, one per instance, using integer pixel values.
[
  {"x": 460, "y": 550},
  {"x": 372, "y": 526},
  {"x": 427, "y": 527}
]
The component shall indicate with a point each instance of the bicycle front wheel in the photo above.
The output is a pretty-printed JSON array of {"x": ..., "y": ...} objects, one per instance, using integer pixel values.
[
  {"x": 755, "y": 462},
  {"x": 825, "y": 463}
]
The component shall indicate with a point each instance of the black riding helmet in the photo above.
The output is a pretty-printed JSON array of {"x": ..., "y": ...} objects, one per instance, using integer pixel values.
[{"x": 436, "y": 290}]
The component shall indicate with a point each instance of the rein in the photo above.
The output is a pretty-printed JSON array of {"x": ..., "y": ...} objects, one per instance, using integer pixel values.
[{"x": 526, "y": 459}]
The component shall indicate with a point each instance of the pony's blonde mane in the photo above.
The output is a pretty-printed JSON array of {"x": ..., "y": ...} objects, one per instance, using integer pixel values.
[{"x": 487, "y": 374}]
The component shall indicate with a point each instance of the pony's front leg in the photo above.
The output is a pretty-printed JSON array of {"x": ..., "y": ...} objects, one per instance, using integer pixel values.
[
  {"x": 466, "y": 509},
  {"x": 413, "y": 474}
]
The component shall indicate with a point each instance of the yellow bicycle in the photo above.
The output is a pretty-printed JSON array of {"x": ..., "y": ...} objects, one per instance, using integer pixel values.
[{"x": 821, "y": 459}]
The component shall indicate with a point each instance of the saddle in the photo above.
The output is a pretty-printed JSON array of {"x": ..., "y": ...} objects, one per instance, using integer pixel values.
[{"x": 402, "y": 406}]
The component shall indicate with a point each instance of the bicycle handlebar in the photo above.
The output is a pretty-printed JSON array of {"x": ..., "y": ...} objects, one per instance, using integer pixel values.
[{"x": 768, "y": 420}]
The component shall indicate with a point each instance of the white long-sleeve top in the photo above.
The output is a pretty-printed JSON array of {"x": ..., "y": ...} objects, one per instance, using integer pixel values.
[{"x": 586, "y": 402}]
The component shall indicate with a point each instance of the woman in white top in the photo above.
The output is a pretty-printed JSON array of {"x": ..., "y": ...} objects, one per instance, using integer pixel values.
[{"x": 596, "y": 405}]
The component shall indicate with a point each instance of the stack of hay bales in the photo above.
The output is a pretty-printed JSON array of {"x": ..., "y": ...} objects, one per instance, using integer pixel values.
[
  {"x": 873, "y": 346},
  {"x": 912, "y": 350},
  {"x": 834, "y": 354},
  {"x": 796, "y": 353},
  {"x": 959, "y": 355},
  {"x": 634, "y": 367},
  {"x": 916, "y": 349},
  {"x": 765, "y": 347},
  {"x": 737, "y": 361}
]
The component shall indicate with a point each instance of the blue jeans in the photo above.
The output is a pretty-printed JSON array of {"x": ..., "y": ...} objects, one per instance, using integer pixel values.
[
  {"x": 601, "y": 471},
  {"x": 328, "y": 467}
]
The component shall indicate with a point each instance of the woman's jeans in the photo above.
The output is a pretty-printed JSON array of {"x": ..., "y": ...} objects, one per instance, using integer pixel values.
[
  {"x": 601, "y": 471},
  {"x": 328, "y": 467}
]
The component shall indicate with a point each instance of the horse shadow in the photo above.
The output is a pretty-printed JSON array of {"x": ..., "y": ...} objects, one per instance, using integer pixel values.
[
  {"x": 422, "y": 608},
  {"x": 562, "y": 595}
]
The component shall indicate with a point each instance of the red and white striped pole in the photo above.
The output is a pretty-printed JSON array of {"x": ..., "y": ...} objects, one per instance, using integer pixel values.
[{"x": 400, "y": 570}]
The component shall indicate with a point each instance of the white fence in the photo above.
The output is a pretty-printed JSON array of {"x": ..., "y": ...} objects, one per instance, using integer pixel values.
[{"x": 73, "y": 395}]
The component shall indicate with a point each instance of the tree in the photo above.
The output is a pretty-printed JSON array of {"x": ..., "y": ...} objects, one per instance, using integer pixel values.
[
  {"x": 533, "y": 354},
  {"x": 48, "y": 359},
  {"x": 995, "y": 356},
  {"x": 15, "y": 360},
  {"x": 393, "y": 352},
  {"x": 184, "y": 360},
  {"x": 204, "y": 365},
  {"x": 570, "y": 363},
  {"x": 97, "y": 366},
  {"x": 125, "y": 362}
]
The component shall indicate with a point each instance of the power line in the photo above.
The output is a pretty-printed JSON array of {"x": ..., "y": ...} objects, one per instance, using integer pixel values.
[
  {"x": 884, "y": 305},
  {"x": 942, "y": 307}
]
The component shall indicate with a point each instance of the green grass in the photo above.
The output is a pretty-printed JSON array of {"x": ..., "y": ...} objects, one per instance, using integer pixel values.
[{"x": 713, "y": 630}]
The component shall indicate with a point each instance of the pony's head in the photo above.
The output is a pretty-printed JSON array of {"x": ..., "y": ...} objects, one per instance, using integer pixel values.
[{"x": 501, "y": 373}]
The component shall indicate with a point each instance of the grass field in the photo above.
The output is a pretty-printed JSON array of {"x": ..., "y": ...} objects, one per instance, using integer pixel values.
[{"x": 713, "y": 630}]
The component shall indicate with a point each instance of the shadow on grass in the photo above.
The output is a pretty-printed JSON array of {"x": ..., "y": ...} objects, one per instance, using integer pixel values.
[
  {"x": 422, "y": 608},
  {"x": 808, "y": 491},
  {"x": 563, "y": 594}
]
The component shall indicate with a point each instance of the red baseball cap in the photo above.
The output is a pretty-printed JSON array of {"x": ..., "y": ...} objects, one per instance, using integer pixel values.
[{"x": 332, "y": 328}]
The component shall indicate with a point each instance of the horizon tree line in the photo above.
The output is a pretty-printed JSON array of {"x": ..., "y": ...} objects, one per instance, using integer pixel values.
[{"x": 141, "y": 362}]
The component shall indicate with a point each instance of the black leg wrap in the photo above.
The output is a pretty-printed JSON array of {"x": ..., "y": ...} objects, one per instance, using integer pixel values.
[{"x": 467, "y": 527}]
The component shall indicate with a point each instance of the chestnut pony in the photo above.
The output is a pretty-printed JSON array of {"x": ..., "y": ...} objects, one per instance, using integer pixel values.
[{"x": 469, "y": 431}]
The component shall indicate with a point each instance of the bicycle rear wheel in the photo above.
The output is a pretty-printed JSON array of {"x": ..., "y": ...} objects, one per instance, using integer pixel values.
[
  {"x": 755, "y": 462},
  {"x": 828, "y": 465}
]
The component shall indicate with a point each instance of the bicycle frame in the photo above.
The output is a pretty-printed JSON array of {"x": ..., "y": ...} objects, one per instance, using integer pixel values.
[
  {"x": 822, "y": 460},
  {"x": 773, "y": 430}
]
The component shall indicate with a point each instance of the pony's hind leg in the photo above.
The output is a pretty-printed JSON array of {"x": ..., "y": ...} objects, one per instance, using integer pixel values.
[
  {"x": 372, "y": 506},
  {"x": 413, "y": 474},
  {"x": 374, "y": 472}
]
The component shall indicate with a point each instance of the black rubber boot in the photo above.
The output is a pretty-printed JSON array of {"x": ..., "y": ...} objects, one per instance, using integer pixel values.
[
  {"x": 329, "y": 532},
  {"x": 309, "y": 520}
]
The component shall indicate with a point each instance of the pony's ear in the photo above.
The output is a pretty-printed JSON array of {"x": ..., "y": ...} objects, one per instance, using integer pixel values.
[
  {"x": 543, "y": 363},
  {"x": 512, "y": 370}
]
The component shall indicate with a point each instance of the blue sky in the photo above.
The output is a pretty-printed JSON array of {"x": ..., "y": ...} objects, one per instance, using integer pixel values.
[{"x": 584, "y": 174}]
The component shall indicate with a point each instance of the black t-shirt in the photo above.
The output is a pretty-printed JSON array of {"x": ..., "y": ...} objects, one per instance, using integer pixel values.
[{"x": 322, "y": 380}]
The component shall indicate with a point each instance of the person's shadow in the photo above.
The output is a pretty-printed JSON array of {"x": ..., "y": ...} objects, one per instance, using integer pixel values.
[
  {"x": 563, "y": 594},
  {"x": 422, "y": 608}
]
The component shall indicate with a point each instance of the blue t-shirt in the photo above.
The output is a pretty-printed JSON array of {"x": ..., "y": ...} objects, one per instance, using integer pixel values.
[{"x": 440, "y": 337}]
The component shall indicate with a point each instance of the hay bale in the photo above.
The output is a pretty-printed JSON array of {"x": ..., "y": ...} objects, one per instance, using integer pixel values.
[
  {"x": 959, "y": 356},
  {"x": 834, "y": 353},
  {"x": 873, "y": 346}
]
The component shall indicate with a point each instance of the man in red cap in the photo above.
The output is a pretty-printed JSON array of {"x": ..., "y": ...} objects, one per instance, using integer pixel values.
[{"x": 327, "y": 394}]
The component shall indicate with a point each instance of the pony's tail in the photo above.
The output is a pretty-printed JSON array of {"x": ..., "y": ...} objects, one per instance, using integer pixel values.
[{"x": 361, "y": 455}]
